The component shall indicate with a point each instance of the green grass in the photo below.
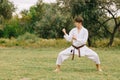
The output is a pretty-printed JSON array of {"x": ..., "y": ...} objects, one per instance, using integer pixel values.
[{"x": 38, "y": 64}]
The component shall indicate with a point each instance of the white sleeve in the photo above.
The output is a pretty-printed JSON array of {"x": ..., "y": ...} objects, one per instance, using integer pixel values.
[
  {"x": 84, "y": 39},
  {"x": 69, "y": 37}
]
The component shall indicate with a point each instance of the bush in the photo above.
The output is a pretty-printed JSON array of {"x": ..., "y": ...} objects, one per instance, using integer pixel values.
[
  {"x": 28, "y": 37},
  {"x": 12, "y": 28},
  {"x": 50, "y": 25},
  {"x": 2, "y": 41},
  {"x": 1, "y": 33},
  {"x": 31, "y": 40},
  {"x": 104, "y": 42},
  {"x": 10, "y": 31},
  {"x": 57, "y": 43}
]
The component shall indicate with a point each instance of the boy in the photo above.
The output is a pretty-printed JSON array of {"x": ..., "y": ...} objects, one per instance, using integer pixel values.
[{"x": 78, "y": 36}]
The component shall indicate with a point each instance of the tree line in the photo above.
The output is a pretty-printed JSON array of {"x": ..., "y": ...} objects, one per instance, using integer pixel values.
[{"x": 47, "y": 20}]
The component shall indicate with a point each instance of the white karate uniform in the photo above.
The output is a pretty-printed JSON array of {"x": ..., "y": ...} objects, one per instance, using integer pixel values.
[{"x": 82, "y": 37}]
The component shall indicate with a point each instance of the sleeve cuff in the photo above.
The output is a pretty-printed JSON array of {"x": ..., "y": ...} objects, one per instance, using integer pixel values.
[{"x": 65, "y": 35}]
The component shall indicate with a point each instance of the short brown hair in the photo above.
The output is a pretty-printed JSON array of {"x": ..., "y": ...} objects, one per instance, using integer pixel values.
[{"x": 78, "y": 19}]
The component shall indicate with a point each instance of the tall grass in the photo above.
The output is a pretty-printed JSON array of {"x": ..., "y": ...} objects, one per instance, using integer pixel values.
[
  {"x": 104, "y": 42},
  {"x": 31, "y": 40},
  {"x": 39, "y": 43}
]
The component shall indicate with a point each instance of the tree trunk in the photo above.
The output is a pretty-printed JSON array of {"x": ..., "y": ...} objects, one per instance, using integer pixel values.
[
  {"x": 111, "y": 39},
  {"x": 115, "y": 28},
  {"x": 89, "y": 42},
  {"x": 113, "y": 34}
]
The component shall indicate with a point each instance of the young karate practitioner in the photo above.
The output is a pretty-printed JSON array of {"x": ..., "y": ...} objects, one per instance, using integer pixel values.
[{"x": 78, "y": 36}]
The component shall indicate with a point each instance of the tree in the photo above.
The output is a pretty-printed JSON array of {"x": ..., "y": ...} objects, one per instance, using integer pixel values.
[
  {"x": 94, "y": 13},
  {"x": 6, "y": 9},
  {"x": 52, "y": 22},
  {"x": 107, "y": 7},
  {"x": 88, "y": 9},
  {"x": 29, "y": 18},
  {"x": 46, "y": 20}
]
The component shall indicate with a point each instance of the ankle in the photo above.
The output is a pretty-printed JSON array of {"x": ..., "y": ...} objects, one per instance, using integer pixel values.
[{"x": 58, "y": 67}]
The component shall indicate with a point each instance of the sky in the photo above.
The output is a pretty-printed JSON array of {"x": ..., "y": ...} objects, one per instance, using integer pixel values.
[{"x": 26, "y": 4}]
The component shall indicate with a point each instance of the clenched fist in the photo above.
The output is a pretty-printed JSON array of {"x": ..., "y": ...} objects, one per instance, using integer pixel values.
[
  {"x": 74, "y": 37},
  {"x": 64, "y": 31}
]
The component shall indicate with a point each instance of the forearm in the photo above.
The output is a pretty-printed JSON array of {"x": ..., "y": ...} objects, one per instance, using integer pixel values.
[
  {"x": 67, "y": 37},
  {"x": 82, "y": 41}
]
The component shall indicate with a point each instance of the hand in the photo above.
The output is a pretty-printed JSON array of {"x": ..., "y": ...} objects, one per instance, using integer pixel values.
[
  {"x": 64, "y": 30},
  {"x": 74, "y": 38}
]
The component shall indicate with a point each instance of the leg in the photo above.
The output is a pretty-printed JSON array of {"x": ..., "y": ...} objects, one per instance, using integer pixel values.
[
  {"x": 98, "y": 67},
  {"x": 61, "y": 57},
  {"x": 94, "y": 57}
]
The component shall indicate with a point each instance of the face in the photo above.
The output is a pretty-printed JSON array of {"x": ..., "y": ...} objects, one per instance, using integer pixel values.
[{"x": 78, "y": 25}]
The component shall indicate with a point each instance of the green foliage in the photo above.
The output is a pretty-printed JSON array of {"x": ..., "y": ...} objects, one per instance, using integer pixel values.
[
  {"x": 2, "y": 41},
  {"x": 95, "y": 17},
  {"x": 52, "y": 22},
  {"x": 91, "y": 14},
  {"x": 6, "y": 9},
  {"x": 47, "y": 20},
  {"x": 12, "y": 29},
  {"x": 28, "y": 37},
  {"x": 1, "y": 33},
  {"x": 29, "y": 18},
  {"x": 8, "y": 42},
  {"x": 31, "y": 40}
]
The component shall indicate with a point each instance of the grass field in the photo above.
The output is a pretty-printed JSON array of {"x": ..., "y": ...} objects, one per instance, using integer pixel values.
[{"x": 38, "y": 64}]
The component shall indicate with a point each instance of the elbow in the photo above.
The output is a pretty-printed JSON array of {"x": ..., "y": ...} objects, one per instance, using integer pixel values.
[
  {"x": 68, "y": 40},
  {"x": 83, "y": 42}
]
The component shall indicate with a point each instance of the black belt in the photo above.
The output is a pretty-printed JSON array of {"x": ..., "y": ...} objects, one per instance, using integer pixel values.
[{"x": 78, "y": 48}]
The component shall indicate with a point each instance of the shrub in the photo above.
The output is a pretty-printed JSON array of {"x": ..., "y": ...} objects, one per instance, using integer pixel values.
[
  {"x": 1, "y": 33},
  {"x": 28, "y": 37},
  {"x": 104, "y": 42},
  {"x": 57, "y": 43},
  {"x": 50, "y": 25},
  {"x": 31, "y": 40},
  {"x": 12, "y": 30},
  {"x": 2, "y": 41}
]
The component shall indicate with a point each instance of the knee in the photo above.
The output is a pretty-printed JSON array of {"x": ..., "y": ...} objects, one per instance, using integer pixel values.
[
  {"x": 96, "y": 57},
  {"x": 60, "y": 54},
  {"x": 95, "y": 54}
]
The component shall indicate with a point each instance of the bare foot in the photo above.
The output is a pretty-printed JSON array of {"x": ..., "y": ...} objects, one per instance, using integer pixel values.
[
  {"x": 57, "y": 70},
  {"x": 100, "y": 70}
]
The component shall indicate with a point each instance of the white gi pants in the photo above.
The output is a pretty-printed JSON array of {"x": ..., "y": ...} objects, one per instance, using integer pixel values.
[{"x": 84, "y": 51}]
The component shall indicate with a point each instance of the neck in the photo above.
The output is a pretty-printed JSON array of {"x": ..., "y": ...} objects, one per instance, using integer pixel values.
[{"x": 79, "y": 27}]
